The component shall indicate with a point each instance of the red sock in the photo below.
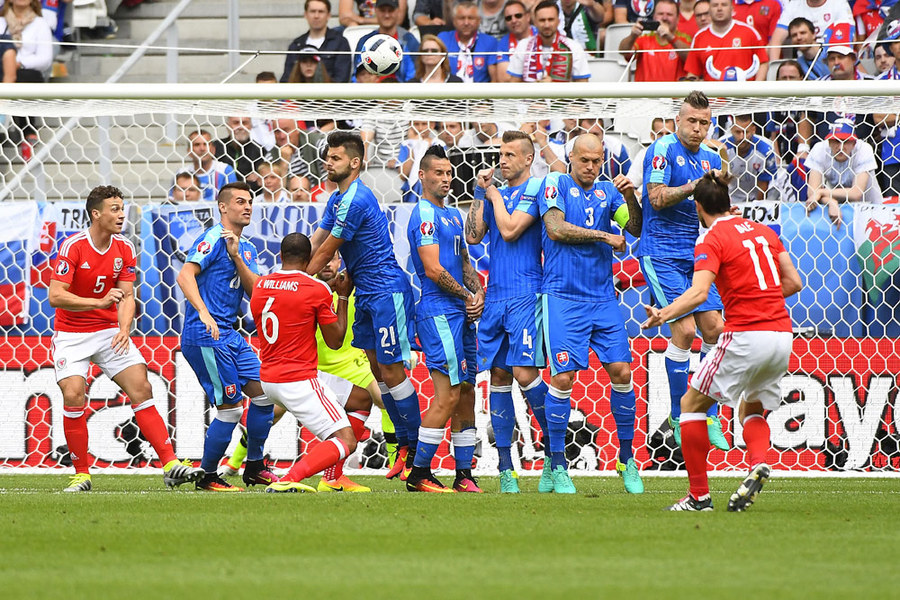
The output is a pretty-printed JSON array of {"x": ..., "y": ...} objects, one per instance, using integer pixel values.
[
  {"x": 756, "y": 437},
  {"x": 358, "y": 424},
  {"x": 154, "y": 429},
  {"x": 695, "y": 448},
  {"x": 75, "y": 428},
  {"x": 322, "y": 456}
]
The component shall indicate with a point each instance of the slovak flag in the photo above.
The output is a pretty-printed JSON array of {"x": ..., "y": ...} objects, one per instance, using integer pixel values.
[{"x": 17, "y": 243}]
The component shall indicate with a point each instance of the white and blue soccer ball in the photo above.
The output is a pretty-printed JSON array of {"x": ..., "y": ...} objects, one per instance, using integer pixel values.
[{"x": 381, "y": 55}]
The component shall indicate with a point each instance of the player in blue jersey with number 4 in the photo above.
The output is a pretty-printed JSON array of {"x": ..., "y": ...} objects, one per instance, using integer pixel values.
[
  {"x": 509, "y": 334},
  {"x": 673, "y": 166},
  {"x": 355, "y": 225},
  {"x": 581, "y": 312},
  {"x": 219, "y": 268}
]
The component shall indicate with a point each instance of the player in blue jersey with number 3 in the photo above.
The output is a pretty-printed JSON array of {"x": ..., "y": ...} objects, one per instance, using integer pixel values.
[
  {"x": 673, "y": 166},
  {"x": 509, "y": 334},
  {"x": 581, "y": 312},
  {"x": 220, "y": 267},
  {"x": 355, "y": 225}
]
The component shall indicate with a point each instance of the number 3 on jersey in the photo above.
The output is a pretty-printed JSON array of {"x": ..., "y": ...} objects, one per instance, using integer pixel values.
[{"x": 754, "y": 257}]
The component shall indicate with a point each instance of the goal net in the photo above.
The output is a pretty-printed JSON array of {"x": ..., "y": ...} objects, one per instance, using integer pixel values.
[{"x": 839, "y": 398}]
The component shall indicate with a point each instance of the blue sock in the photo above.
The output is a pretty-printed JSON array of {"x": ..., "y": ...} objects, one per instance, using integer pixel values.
[
  {"x": 622, "y": 401},
  {"x": 558, "y": 408},
  {"x": 218, "y": 435},
  {"x": 391, "y": 407},
  {"x": 407, "y": 402},
  {"x": 259, "y": 422},
  {"x": 536, "y": 394},
  {"x": 503, "y": 421},
  {"x": 429, "y": 440},
  {"x": 463, "y": 448},
  {"x": 712, "y": 411},
  {"x": 678, "y": 362}
]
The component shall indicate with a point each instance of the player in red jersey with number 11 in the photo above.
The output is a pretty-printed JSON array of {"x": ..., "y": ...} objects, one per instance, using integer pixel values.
[{"x": 754, "y": 274}]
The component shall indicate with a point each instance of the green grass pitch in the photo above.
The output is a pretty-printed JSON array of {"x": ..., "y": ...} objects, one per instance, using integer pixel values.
[{"x": 131, "y": 538}]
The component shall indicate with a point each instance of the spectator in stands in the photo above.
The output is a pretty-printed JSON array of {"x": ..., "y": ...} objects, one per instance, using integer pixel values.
[
  {"x": 887, "y": 123},
  {"x": 492, "y": 23},
  {"x": 791, "y": 131},
  {"x": 727, "y": 49},
  {"x": 432, "y": 65},
  {"x": 240, "y": 151},
  {"x": 821, "y": 13},
  {"x": 419, "y": 138},
  {"x": 550, "y": 55},
  {"x": 433, "y": 13},
  {"x": 301, "y": 149},
  {"x": 687, "y": 24},
  {"x": 309, "y": 67},
  {"x": 884, "y": 62},
  {"x": 186, "y": 188},
  {"x": 660, "y": 53},
  {"x": 582, "y": 19},
  {"x": 262, "y": 132},
  {"x": 810, "y": 54},
  {"x": 549, "y": 154},
  {"x": 751, "y": 161},
  {"x": 702, "y": 17},
  {"x": 53, "y": 11},
  {"x": 473, "y": 55},
  {"x": 615, "y": 156},
  {"x": 761, "y": 15},
  {"x": 362, "y": 12},
  {"x": 843, "y": 64},
  {"x": 658, "y": 128},
  {"x": 869, "y": 16},
  {"x": 273, "y": 178},
  {"x": 629, "y": 11},
  {"x": 841, "y": 169},
  {"x": 8, "y": 59},
  {"x": 518, "y": 23},
  {"x": 327, "y": 40},
  {"x": 387, "y": 13},
  {"x": 454, "y": 134},
  {"x": 211, "y": 173},
  {"x": 382, "y": 138}
]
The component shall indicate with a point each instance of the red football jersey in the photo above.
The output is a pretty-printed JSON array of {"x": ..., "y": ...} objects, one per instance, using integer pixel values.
[
  {"x": 687, "y": 26},
  {"x": 287, "y": 306},
  {"x": 657, "y": 62},
  {"x": 744, "y": 256},
  {"x": 761, "y": 15},
  {"x": 711, "y": 54},
  {"x": 91, "y": 274}
]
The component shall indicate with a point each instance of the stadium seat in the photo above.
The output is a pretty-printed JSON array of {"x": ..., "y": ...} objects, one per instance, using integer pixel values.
[
  {"x": 773, "y": 69},
  {"x": 355, "y": 32},
  {"x": 384, "y": 182},
  {"x": 606, "y": 69},
  {"x": 614, "y": 35}
]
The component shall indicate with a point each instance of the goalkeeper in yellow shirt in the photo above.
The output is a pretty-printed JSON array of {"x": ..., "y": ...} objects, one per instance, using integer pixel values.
[{"x": 347, "y": 372}]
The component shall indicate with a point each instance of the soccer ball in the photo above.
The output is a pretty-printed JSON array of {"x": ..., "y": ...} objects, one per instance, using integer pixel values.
[{"x": 381, "y": 55}]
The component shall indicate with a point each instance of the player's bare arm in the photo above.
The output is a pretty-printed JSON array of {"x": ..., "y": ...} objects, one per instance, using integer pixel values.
[
  {"x": 436, "y": 272},
  {"x": 324, "y": 252},
  {"x": 475, "y": 225},
  {"x": 334, "y": 333},
  {"x": 662, "y": 196},
  {"x": 60, "y": 297},
  {"x": 560, "y": 230},
  {"x": 233, "y": 246},
  {"x": 475, "y": 304},
  {"x": 635, "y": 214},
  {"x": 187, "y": 281},
  {"x": 126, "y": 309},
  {"x": 511, "y": 226},
  {"x": 318, "y": 236},
  {"x": 790, "y": 277},
  {"x": 722, "y": 149},
  {"x": 688, "y": 301}
]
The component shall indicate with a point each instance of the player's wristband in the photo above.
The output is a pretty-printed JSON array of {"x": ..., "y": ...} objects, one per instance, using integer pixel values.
[
  {"x": 479, "y": 192},
  {"x": 344, "y": 298}
]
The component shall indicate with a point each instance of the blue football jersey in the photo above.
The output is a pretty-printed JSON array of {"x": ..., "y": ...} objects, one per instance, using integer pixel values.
[
  {"x": 368, "y": 251},
  {"x": 430, "y": 224},
  {"x": 579, "y": 271},
  {"x": 515, "y": 268},
  {"x": 672, "y": 232},
  {"x": 220, "y": 287}
]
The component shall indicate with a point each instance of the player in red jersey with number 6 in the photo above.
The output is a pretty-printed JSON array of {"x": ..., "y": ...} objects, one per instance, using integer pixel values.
[
  {"x": 754, "y": 274},
  {"x": 287, "y": 306},
  {"x": 92, "y": 290}
]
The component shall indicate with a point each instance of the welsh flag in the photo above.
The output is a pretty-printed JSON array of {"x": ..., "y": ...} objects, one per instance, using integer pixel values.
[{"x": 876, "y": 233}]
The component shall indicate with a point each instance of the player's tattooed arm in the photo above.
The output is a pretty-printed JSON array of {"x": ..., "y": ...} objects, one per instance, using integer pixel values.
[
  {"x": 635, "y": 214},
  {"x": 560, "y": 230},
  {"x": 446, "y": 282},
  {"x": 435, "y": 271},
  {"x": 475, "y": 303},
  {"x": 662, "y": 196},
  {"x": 475, "y": 225}
]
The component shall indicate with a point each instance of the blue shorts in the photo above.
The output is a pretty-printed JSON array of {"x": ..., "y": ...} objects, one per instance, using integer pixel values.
[
  {"x": 509, "y": 334},
  {"x": 382, "y": 324},
  {"x": 573, "y": 327},
  {"x": 450, "y": 346},
  {"x": 669, "y": 278},
  {"x": 223, "y": 370}
]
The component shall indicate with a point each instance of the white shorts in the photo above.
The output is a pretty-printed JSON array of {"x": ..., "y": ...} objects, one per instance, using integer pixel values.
[
  {"x": 314, "y": 405},
  {"x": 745, "y": 365},
  {"x": 340, "y": 386},
  {"x": 73, "y": 353}
]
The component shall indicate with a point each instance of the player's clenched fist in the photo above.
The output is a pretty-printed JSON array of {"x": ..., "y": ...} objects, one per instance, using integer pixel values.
[
  {"x": 485, "y": 177},
  {"x": 343, "y": 284},
  {"x": 617, "y": 242},
  {"x": 232, "y": 243},
  {"x": 113, "y": 296}
]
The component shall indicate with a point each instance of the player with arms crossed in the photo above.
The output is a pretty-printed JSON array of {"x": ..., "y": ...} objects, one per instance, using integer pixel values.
[
  {"x": 509, "y": 334},
  {"x": 673, "y": 166},
  {"x": 755, "y": 274},
  {"x": 287, "y": 306},
  {"x": 452, "y": 299},
  {"x": 355, "y": 225},
  {"x": 581, "y": 312},
  {"x": 220, "y": 267},
  {"x": 92, "y": 290}
]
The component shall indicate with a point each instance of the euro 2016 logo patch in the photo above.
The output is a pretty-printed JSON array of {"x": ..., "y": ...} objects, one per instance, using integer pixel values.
[
  {"x": 427, "y": 228},
  {"x": 231, "y": 390},
  {"x": 204, "y": 247},
  {"x": 705, "y": 165},
  {"x": 62, "y": 267},
  {"x": 562, "y": 358},
  {"x": 550, "y": 192},
  {"x": 659, "y": 163}
]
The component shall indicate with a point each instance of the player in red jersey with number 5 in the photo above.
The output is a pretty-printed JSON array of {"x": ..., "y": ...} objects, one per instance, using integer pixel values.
[
  {"x": 92, "y": 290},
  {"x": 754, "y": 274},
  {"x": 287, "y": 306}
]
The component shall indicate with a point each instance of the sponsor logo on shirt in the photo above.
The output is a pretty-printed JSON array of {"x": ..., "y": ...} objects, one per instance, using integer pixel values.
[
  {"x": 204, "y": 247},
  {"x": 62, "y": 268},
  {"x": 659, "y": 163},
  {"x": 680, "y": 161},
  {"x": 562, "y": 358},
  {"x": 231, "y": 390},
  {"x": 427, "y": 228},
  {"x": 85, "y": 265}
]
